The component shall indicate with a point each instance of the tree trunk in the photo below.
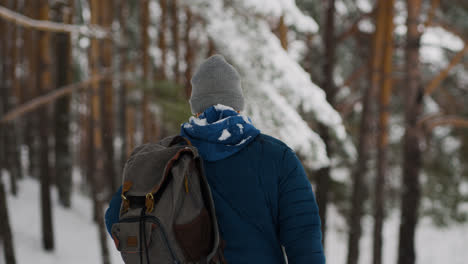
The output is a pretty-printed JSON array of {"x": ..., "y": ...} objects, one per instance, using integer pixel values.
[
  {"x": 283, "y": 32},
  {"x": 45, "y": 82},
  {"x": 5, "y": 229},
  {"x": 411, "y": 192},
  {"x": 385, "y": 93},
  {"x": 63, "y": 71},
  {"x": 328, "y": 85},
  {"x": 15, "y": 96},
  {"x": 123, "y": 50},
  {"x": 323, "y": 184},
  {"x": 188, "y": 53},
  {"x": 3, "y": 89},
  {"x": 175, "y": 38},
  {"x": 11, "y": 153},
  {"x": 85, "y": 133},
  {"x": 32, "y": 120},
  {"x": 97, "y": 168},
  {"x": 145, "y": 60},
  {"x": 359, "y": 189},
  {"x": 211, "y": 47},
  {"x": 107, "y": 100},
  {"x": 130, "y": 129},
  {"x": 162, "y": 39}
]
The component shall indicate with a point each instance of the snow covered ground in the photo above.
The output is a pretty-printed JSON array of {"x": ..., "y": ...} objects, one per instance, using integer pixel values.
[
  {"x": 77, "y": 241},
  {"x": 76, "y": 237},
  {"x": 433, "y": 245}
]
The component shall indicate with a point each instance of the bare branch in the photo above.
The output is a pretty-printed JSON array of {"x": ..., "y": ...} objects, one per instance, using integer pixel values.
[
  {"x": 50, "y": 97},
  {"x": 91, "y": 31},
  {"x": 425, "y": 119},
  {"x": 434, "y": 83},
  {"x": 454, "y": 121},
  {"x": 356, "y": 74},
  {"x": 346, "y": 108},
  {"x": 353, "y": 29}
]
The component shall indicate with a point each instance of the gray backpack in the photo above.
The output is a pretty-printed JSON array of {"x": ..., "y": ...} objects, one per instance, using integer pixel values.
[{"x": 167, "y": 213}]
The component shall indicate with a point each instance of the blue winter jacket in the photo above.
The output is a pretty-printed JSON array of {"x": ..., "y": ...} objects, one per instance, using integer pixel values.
[{"x": 262, "y": 196}]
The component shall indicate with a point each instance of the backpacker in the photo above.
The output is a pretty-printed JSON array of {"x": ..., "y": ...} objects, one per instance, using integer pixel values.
[{"x": 167, "y": 213}]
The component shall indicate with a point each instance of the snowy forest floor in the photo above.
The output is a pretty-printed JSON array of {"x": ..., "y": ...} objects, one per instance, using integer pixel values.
[{"x": 76, "y": 237}]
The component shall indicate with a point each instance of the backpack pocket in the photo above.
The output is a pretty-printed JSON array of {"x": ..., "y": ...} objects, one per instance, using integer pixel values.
[
  {"x": 196, "y": 236},
  {"x": 129, "y": 236}
]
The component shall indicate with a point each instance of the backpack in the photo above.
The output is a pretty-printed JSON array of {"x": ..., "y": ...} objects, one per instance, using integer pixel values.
[{"x": 167, "y": 213}]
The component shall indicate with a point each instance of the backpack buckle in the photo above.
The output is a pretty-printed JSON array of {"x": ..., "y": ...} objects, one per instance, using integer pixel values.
[
  {"x": 149, "y": 203},
  {"x": 125, "y": 202}
]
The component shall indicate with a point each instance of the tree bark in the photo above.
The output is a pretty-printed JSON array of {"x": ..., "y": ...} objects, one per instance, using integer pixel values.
[
  {"x": 162, "y": 39},
  {"x": 9, "y": 100},
  {"x": 323, "y": 182},
  {"x": 145, "y": 60},
  {"x": 328, "y": 85},
  {"x": 411, "y": 193},
  {"x": 385, "y": 94},
  {"x": 188, "y": 53},
  {"x": 63, "y": 160},
  {"x": 211, "y": 47},
  {"x": 97, "y": 168},
  {"x": 32, "y": 120},
  {"x": 107, "y": 99},
  {"x": 130, "y": 129},
  {"x": 359, "y": 188},
  {"x": 175, "y": 38},
  {"x": 283, "y": 32},
  {"x": 15, "y": 97},
  {"x": 123, "y": 50},
  {"x": 5, "y": 229},
  {"x": 45, "y": 82}
]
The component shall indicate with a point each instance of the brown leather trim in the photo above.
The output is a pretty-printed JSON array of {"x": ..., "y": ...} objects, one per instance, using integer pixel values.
[
  {"x": 125, "y": 188},
  {"x": 188, "y": 141},
  {"x": 168, "y": 168}
]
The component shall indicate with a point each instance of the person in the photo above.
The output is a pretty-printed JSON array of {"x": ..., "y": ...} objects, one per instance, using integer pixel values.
[{"x": 265, "y": 205}]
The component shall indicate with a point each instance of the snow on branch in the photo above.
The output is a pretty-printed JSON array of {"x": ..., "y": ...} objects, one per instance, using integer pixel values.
[
  {"x": 92, "y": 31},
  {"x": 437, "y": 38},
  {"x": 276, "y": 8},
  {"x": 276, "y": 87}
]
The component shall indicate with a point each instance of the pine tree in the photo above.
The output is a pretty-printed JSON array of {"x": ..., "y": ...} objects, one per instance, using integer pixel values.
[
  {"x": 382, "y": 144},
  {"x": 44, "y": 84},
  {"x": 63, "y": 77},
  {"x": 97, "y": 163},
  {"x": 412, "y": 156}
]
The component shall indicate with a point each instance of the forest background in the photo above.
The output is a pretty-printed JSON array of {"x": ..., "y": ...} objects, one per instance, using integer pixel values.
[{"x": 372, "y": 95}]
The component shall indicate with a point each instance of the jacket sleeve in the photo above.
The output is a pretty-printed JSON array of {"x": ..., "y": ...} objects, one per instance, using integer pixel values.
[
  {"x": 299, "y": 221},
  {"x": 112, "y": 213}
]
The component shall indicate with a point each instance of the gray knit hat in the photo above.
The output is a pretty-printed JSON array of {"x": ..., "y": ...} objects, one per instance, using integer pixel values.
[{"x": 216, "y": 82}]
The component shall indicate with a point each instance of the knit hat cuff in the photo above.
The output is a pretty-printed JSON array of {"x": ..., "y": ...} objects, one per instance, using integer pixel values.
[{"x": 200, "y": 104}]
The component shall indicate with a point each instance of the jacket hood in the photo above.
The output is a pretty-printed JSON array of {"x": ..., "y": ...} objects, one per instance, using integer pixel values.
[{"x": 219, "y": 132}]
